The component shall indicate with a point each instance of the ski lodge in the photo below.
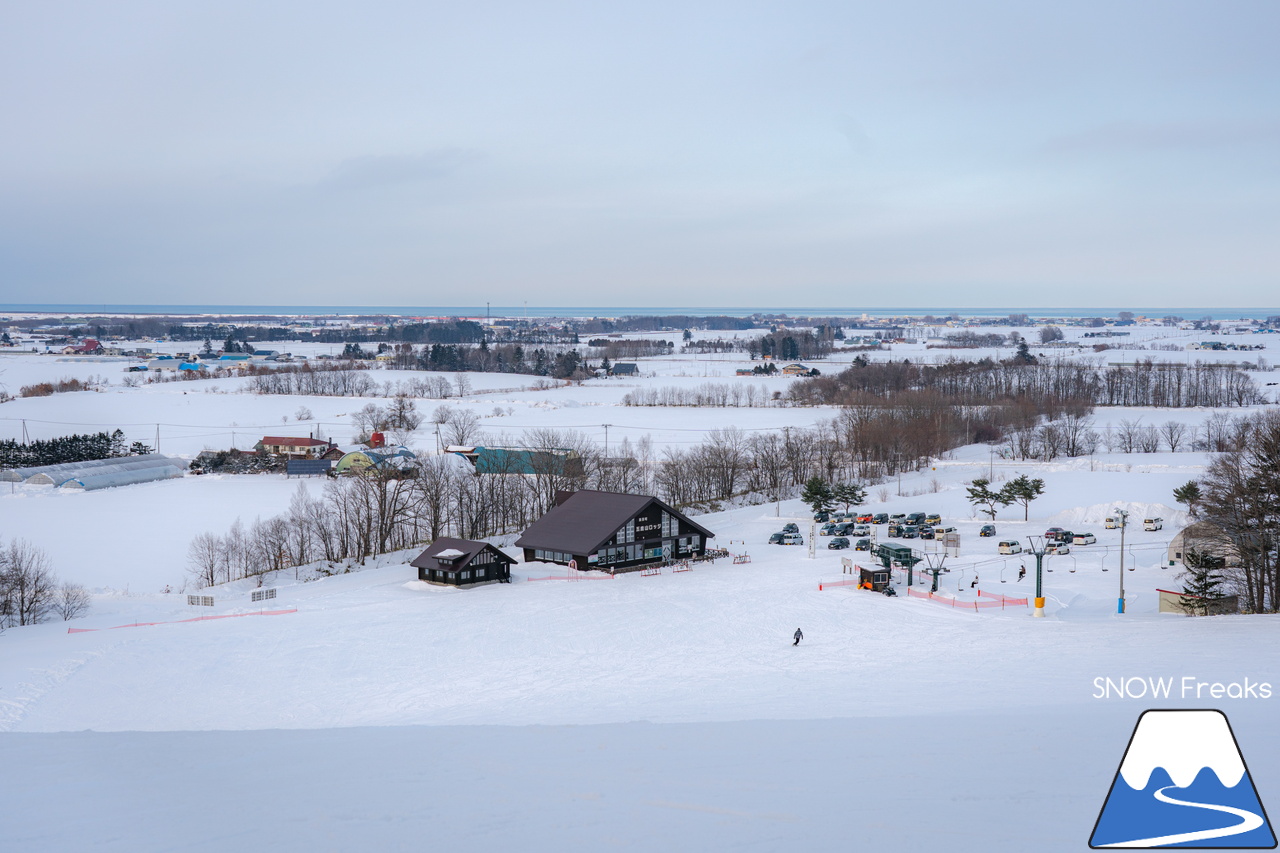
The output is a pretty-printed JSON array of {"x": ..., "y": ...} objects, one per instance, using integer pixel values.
[
  {"x": 462, "y": 562},
  {"x": 612, "y": 532}
]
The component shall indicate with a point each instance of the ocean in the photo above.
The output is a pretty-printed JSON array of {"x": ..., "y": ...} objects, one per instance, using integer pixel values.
[{"x": 508, "y": 311}]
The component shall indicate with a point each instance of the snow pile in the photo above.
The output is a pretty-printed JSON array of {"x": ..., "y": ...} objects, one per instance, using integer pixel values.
[{"x": 1174, "y": 519}]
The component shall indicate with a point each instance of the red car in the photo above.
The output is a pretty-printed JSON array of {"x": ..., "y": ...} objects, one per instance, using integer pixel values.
[{"x": 864, "y": 518}]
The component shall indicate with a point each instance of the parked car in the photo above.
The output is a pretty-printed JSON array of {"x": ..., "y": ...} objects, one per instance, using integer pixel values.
[
  {"x": 926, "y": 532},
  {"x": 792, "y": 539},
  {"x": 776, "y": 539},
  {"x": 1053, "y": 533},
  {"x": 790, "y": 527},
  {"x": 828, "y": 529},
  {"x": 821, "y": 516},
  {"x": 894, "y": 531},
  {"x": 1060, "y": 548},
  {"x": 864, "y": 518},
  {"x": 880, "y": 518},
  {"x": 862, "y": 545},
  {"x": 899, "y": 517},
  {"x": 838, "y": 543},
  {"x": 916, "y": 518},
  {"x": 910, "y": 531},
  {"x": 1112, "y": 522},
  {"x": 1065, "y": 537},
  {"x": 1153, "y": 524},
  {"x": 860, "y": 530},
  {"x": 933, "y": 518},
  {"x": 987, "y": 530},
  {"x": 1009, "y": 546},
  {"x": 1083, "y": 539},
  {"x": 939, "y": 532}
]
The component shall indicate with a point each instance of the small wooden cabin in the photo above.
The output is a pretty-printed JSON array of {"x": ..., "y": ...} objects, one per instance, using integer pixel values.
[{"x": 462, "y": 562}]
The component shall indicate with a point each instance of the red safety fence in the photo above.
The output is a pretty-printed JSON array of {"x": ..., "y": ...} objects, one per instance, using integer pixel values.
[
  {"x": 576, "y": 576},
  {"x": 851, "y": 582},
  {"x": 180, "y": 621},
  {"x": 1004, "y": 599},
  {"x": 948, "y": 601}
]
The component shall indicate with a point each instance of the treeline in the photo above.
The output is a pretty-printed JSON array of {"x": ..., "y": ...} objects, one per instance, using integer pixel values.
[
  {"x": 615, "y": 349},
  {"x": 1050, "y": 387},
  {"x": 783, "y": 344},
  {"x": 735, "y": 395},
  {"x": 1239, "y": 498},
  {"x": 67, "y": 448},
  {"x": 61, "y": 386},
  {"x": 1075, "y": 435}
]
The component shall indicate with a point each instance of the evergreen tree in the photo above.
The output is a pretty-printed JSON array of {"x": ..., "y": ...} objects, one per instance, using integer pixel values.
[
  {"x": 817, "y": 494},
  {"x": 139, "y": 448},
  {"x": 1201, "y": 584},
  {"x": 1188, "y": 493},
  {"x": 1024, "y": 356},
  {"x": 848, "y": 494},
  {"x": 980, "y": 495},
  {"x": 1023, "y": 490}
]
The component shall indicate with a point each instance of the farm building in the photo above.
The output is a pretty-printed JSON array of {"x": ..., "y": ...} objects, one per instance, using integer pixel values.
[
  {"x": 462, "y": 562},
  {"x": 520, "y": 460},
  {"x": 98, "y": 473},
  {"x": 612, "y": 531},
  {"x": 1204, "y": 539},
  {"x": 364, "y": 458},
  {"x": 625, "y": 368},
  {"x": 288, "y": 446}
]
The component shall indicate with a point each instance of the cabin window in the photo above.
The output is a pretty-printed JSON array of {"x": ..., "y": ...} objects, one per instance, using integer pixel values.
[
  {"x": 466, "y": 575},
  {"x": 479, "y": 573}
]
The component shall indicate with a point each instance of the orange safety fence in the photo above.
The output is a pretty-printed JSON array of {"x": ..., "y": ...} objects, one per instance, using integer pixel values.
[
  {"x": 1004, "y": 599},
  {"x": 850, "y": 582},
  {"x": 948, "y": 601},
  {"x": 180, "y": 621}
]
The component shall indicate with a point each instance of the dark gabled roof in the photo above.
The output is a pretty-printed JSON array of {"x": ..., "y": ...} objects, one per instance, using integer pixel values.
[
  {"x": 469, "y": 548},
  {"x": 582, "y": 522}
]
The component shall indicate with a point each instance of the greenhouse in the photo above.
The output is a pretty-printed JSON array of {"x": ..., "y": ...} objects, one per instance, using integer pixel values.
[{"x": 99, "y": 473}]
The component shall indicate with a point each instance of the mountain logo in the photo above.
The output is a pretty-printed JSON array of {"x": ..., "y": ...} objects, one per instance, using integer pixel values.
[{"x": 1183, "y": 783}]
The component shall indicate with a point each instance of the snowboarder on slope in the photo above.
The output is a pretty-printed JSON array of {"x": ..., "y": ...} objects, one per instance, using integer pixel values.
[{"x": 799, "y": 635}]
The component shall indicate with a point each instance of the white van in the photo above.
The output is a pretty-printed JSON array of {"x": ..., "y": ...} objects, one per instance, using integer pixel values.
[
  {"x": 1010, "y": 546},
  {"x": 793, "y": 539},
  {"x": 1153, "y": 524},
  {"x": 1111, "y": 523}
]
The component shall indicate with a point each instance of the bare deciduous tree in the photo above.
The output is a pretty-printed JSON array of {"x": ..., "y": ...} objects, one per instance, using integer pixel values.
[{"x": 71, "y": 601}]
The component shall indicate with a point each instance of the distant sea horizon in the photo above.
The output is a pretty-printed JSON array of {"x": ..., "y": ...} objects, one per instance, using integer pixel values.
[{"x": 508, "y": 311}]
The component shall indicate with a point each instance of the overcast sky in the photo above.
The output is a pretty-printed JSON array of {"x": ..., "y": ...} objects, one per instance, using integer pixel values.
[{"x": 841, "y": 154}]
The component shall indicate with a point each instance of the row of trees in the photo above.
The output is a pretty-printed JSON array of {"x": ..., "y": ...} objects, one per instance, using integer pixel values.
[
  {"x": 1076, "y": 435},
  {"x": 719, "y": 394},
  {"x": 1239, "y": 498},
  {"x": 1020, "y": 490},
  {"x": 68, "y": 448},
  {"x": 1060, "y": 384},
  {"x": 29, "y": 590}
]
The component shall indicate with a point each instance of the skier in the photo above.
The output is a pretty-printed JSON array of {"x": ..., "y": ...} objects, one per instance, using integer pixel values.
[
  {"x": 799, "y": 635},
  {"x": 1022, "y": 572}
]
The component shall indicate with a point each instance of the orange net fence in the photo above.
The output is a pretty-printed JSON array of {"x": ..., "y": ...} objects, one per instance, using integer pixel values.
[
  {"x": 948, "y": 601},
  {"x": 180, "y": 621}
]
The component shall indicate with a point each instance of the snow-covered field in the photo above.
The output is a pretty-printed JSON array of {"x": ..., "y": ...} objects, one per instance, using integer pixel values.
[{"x": 640, "y": 713}]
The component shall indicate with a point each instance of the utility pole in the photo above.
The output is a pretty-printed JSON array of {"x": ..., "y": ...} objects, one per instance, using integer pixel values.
[
  {"x": 1037, "y": 550},
  {"x": 1124, "y": 520}
]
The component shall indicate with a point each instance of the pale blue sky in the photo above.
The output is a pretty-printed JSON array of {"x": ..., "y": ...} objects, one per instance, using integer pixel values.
[{"x": 737, "y": 153}]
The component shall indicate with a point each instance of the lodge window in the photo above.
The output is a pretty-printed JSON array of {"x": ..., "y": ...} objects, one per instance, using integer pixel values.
[
  {"x": 466, "y": 575},
  {"x": 479, "y": 573},
  {"x": 670, "y": 526}
]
